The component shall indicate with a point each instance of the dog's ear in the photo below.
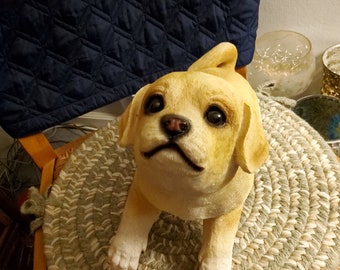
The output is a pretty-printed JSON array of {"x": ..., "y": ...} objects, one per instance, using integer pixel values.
[
  {"x": 220, "y": 58},
  {"x": 128, "y": 121},
  {"x": 252, "y": 146}
]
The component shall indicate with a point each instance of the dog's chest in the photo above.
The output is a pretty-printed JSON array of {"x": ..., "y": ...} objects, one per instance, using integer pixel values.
[{"x": 192, "y": 197}]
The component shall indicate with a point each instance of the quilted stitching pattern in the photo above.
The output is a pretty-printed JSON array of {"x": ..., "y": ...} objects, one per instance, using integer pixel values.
[{"x": 62, "y": 58}]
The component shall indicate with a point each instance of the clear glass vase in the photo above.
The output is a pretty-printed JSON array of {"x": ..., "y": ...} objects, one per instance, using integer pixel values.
[{"x": 283, "y": 64}]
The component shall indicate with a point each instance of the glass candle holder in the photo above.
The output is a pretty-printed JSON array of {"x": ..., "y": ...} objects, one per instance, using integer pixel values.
[
  {"x": 283, "y": 64},
  {"x": 331, "y": 74}
]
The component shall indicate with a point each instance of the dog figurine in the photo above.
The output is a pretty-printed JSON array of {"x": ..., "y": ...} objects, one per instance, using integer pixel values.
[{"x": 197, "y": 138}]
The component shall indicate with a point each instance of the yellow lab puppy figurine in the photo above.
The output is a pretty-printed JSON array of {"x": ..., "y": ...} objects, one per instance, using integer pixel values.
[{"x": 198, "y": 139}]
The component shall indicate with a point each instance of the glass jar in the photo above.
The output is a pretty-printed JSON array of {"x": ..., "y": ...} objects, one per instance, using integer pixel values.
[
  {"x": 331, "y": 74},
  {"x": 283, "y": 64}
]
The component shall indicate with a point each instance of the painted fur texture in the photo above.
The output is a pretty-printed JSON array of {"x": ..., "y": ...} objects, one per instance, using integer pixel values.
[{"x": 198, "y": 139}]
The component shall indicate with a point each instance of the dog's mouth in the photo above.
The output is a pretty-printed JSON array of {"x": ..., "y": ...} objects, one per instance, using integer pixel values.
[{"x": 173, "y": 146}]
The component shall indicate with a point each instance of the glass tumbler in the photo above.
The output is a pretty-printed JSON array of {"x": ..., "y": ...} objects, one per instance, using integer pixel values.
[
  {"x": 331, "y": 74},
  {"x": 283, "y": 64}
]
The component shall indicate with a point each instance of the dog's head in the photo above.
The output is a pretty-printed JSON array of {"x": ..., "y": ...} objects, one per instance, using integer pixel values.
[{"x": 202, "y": 120}]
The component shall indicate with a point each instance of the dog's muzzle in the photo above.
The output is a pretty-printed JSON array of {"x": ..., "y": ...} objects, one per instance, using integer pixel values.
[
  {"x": 175, "y": 147},
  {"x": 175, "y": 126}
]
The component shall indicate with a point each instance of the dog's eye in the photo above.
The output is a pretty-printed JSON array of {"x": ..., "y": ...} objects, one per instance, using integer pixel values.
[
  {"x": 215, "y": 116},
  {"x": 154, "y": 104}
]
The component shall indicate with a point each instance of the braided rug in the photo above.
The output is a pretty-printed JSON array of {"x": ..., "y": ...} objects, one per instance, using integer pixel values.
[{"x": 290, "y": 219}]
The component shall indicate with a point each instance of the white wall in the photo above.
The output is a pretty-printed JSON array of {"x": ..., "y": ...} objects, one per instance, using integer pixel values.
[{"x": 319, "y": 20}]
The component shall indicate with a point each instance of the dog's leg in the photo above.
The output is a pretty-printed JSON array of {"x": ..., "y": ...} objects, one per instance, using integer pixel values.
[
  {"x": 218, "y": 241},
  {"x": 132, "y": 234}
]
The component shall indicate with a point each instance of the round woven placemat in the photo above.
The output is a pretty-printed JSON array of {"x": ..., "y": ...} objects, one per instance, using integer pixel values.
[{"x": 290, "y": 219}]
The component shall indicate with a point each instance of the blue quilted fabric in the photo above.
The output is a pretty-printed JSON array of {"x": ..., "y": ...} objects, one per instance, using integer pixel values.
[{"x": 62, "y": 58}]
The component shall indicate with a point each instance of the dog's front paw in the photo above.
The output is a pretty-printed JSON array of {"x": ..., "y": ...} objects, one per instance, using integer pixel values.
[
  {"x": 124, "y": 253},
  {"x": 215, "y": 263},
  {"x": 122, "y": 259}
]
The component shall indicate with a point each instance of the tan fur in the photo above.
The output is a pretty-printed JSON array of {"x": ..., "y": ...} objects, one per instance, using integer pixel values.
[{"x": 227, "y": 156}]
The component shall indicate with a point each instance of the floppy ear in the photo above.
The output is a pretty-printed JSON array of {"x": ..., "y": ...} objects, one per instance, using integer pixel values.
[
  {"x": 252, "y": 146},
  {"x": 223, "y": 56},
  {"x": 127, "y": 125}
]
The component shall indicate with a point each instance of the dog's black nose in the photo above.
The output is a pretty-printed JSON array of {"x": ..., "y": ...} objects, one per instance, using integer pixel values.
[{"x": 175, "y": 126}]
